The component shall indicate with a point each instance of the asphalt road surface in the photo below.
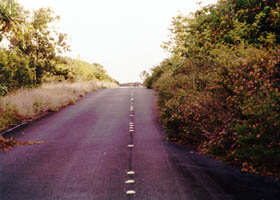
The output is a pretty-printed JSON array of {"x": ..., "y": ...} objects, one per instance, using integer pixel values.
[{"x": 111, "y": 146}]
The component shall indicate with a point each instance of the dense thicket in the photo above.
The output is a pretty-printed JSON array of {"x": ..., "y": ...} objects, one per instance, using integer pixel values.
[
  {"x": 219, "y": 91},
  {"x": 80, "y": 70},
  {"x": 30, "y": 49}
]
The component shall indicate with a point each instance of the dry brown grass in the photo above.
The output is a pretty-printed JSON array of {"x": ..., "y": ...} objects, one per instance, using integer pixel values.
[
  {"x": 27, "y": 104},
  {"x": 104, "y": 84}
]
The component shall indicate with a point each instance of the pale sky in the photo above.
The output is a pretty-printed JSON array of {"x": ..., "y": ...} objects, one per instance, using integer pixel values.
[{"x": 122, "y": 35}]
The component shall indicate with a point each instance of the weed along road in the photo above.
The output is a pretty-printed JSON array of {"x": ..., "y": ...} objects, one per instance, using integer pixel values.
[{"x": 110, "y": 145}]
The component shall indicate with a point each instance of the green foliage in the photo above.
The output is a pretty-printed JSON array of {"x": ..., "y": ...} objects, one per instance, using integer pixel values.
[
  {"x": 157, "y": 71},
  {"x": 249, "y": 85},
  {"x": 219, "y": 91},
  {"x": 14, "y": 70},
  {"x": 11, "y": 17},
  {"x": 80, "y": 70},
  {"x": 33, "y": 48},
  {"x": 8, "y": 116},
  {"x": 39, "y": 43},
  {"x": 32, "y": 45},
  {"x": 229, "y": 23},
  {"x": 3, "y": 90}
]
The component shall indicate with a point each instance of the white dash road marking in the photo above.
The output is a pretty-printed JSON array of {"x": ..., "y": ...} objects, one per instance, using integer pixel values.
[
  {"x": 130, "y": 146},
  {"x": 130, "y": 172},
  {"x": 131, "y": 108},
  {"x": 130, "y": 192},
  {"x": 130, "y": 181}
]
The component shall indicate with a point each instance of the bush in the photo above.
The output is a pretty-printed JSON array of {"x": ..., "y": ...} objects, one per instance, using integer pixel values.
[
  {"x": 250, "y": 85},
  {"x": 219, "y": 90},
  {"x": 81, "y": 70},
  {"x": 14, "y": 71},
  {"x": 230, "y": 110},
  {"x": 3, "y": 90}
]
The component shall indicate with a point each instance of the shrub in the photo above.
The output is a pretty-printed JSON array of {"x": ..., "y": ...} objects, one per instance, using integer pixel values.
[
  {"x": 219, "y": 90},
  {"x": 250, "y": 85},
  {"x": 3, "y": 90},
  {"x": 230, "y": 110},
  {"x": 14, "y": 71}
]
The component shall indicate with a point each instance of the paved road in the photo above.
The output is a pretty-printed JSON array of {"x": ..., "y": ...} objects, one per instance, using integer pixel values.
[{"x": 110, "y": 144}]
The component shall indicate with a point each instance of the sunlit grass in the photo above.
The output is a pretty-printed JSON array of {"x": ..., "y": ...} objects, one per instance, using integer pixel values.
[
  {"x": 104, "y": 84},
  {"x": 27, "y": 104}
]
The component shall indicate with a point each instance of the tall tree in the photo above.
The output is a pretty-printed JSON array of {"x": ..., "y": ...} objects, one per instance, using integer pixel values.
[
  {"x": 40, "y": 43},
  {"x": 11, "y": 17}
]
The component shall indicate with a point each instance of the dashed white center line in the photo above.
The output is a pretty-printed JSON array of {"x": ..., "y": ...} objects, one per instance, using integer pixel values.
[
  {"x": 130, "y": 173},
  {"x": 130, "y": 192},
  {"x": 129, "y": 181}
]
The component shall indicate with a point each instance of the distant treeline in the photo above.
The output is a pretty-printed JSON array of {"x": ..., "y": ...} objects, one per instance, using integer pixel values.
[
  {"x": 77, "y": 69},
  {"x": 30, "y": 49},
  {"x": 219, "y": 91},
  {"x": 130, "y": 84}
]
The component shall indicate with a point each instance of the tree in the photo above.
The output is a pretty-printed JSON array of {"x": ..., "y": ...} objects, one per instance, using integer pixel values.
[
  {"x": 33, "y": 45},
  {"x": 144, "y": 75},
  {"x": 11, "y": 17},
  {"x": 39, "y": 43}
]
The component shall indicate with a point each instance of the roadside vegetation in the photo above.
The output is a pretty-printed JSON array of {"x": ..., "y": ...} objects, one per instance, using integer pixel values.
[
  {"x": 34, "y": 77},
  {"x": 219, "y": 90}
]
